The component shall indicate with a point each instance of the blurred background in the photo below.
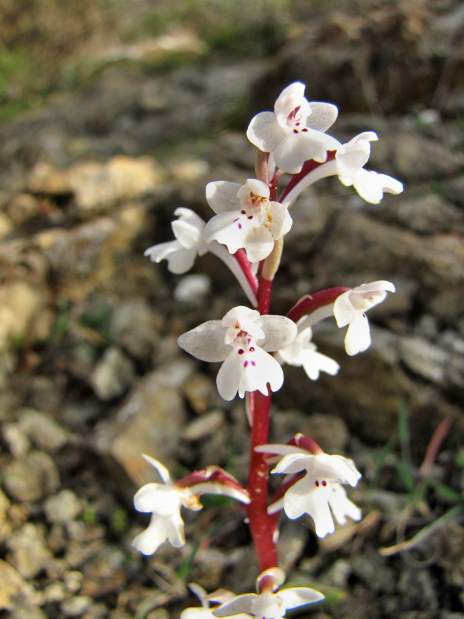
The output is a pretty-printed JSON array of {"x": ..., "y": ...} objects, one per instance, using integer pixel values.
[{"x": 115, "y": 112}]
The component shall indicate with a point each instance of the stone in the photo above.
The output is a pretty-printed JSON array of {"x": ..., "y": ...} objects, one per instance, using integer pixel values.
[
  {"x": 47, "y": 179},
  {"x": 16, "y": 439},
  {"x": 21, "y": 306},
  {"x": 76, "y": 606},
  {"x": 204, "y": 426},
  {"x": 12, "y": 588},
  {"x": 98, "y": 186},
  {"x": 200, "y": 392},
  {"x": 28, "y": 550},
  {"x": 135, "y": 327},
  {"x": 31, "y": 478},
  {"x": 44, "y": 431},
  {"x": 6, "y": 226},
  {"x": 112, "y": 375},
  {"x": 62, "y": 507},
  {"x": 151, "y": 422},
  {"x": 193, "y": 289},
  {"x": 5, "y": 524},
  {"x": 423, "y": 358},
  {"x": 22, "y": 207}
]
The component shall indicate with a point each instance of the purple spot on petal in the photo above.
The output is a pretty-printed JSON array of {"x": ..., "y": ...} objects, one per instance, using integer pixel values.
[
  {"x": 245, "y": 364},
  {"x": 253, "y": 363}
]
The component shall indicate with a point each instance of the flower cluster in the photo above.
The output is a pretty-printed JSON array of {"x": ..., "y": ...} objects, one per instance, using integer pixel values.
[{"x": 246, "y": 231}]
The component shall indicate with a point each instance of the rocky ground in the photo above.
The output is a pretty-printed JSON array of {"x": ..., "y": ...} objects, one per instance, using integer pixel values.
[{"x": 90, "y": 373}]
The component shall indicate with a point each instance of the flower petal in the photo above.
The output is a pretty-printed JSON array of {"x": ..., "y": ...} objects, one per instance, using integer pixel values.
[
  {"x": 293, "y": 462},
  {"x": 358, "y": 337},
  {"x": 343, "y": 309},
  {"x": 229, "y": 376},
  {"x": 279, "y": 331},
  {"x": 260, "y": 371},
  {"x": 222, "y": 196},
  {"x": 206, "y": 342},
  {"x": 157, "y": 498},
  {"x": 161, "y": 251},
  {"x": 341, "y": 506},
  {"x": 239, "y": 604},
  {"x": 159, "y": 468},
  {"x": 315, "y": 362},
  {"x": 264, "y": 132},
  {"x": 186, "y": 233},
  {"x": 258, "y": 243},
  {"x": 323, "y": 115},
  {"x": 175, "y": 531},
  {"x": 281, "y": 220},
  {"x": 293, "y": 597},
  {"x": 154, "y": 535},
  {"x": 228, "y": 228}
]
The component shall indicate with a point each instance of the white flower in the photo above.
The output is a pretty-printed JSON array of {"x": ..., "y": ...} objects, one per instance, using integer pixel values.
[
  {"x": 271, "y": 602},
  {"x": 245, "y": 218},
  {"x": 349, "y": 309},
  {"x": 164, "y": 501},
  {"x": 205, "y": 612},
  {"x": 350, "y": 160},
  {"x": 242, "y": 340},
  {"x": 319, "y": 493},
  {"x": 181, "y": 253},
  {"x": 303, "y": 353},
  {"x": 295, "y": 131}
]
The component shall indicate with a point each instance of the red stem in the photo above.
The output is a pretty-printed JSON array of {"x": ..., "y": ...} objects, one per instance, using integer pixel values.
[
  {"x": 262, "y": 526},
  {"x": 311, "y": 302},
  {"x": 241, "y": 257}
]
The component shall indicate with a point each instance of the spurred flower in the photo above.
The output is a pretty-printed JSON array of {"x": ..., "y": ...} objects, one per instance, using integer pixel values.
[
  {"x": 319, "y": 492},
  {"x": 302, "y": 352},
  {"x": 295, "y": 131},
  {"x": 245, "y": 218},
  {"x": 351, "y": 159},
  {"x": 242, "y": 340},
  {"x": 270, "y": 602},
  {"x": 181, "y": 253},
  {"x": 350, "y": 307},
  {"x": 164, "y": 501}
]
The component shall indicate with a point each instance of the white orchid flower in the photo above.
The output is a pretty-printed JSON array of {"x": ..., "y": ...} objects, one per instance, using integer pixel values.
[
  {"x": 295, "y": 131},
  {"x": 165, "y": 500},
  {"x": 271, "y": 602},
  {"x": 190, "y": 243},
  {"x": 348, "y": 164},
  {"x": 319, "y": 493},
  {"x": 242, "y": 340},
  {"x": 181, "y": 253},
  {"x": 350, "y": 307},
  {"x": 302, "y": 352},
  {"x": 245, "y": 218},
  {"x": 351, "y": 158},
  {"x": 205, "y": 611}
]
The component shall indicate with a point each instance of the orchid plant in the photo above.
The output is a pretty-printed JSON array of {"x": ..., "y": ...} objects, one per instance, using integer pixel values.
[{"x": 246, "y": 232}]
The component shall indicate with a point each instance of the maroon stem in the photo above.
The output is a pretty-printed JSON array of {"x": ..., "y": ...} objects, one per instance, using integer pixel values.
[
  {"x": 242, "y": 260},
  {"x": 262, "y": 526}
]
